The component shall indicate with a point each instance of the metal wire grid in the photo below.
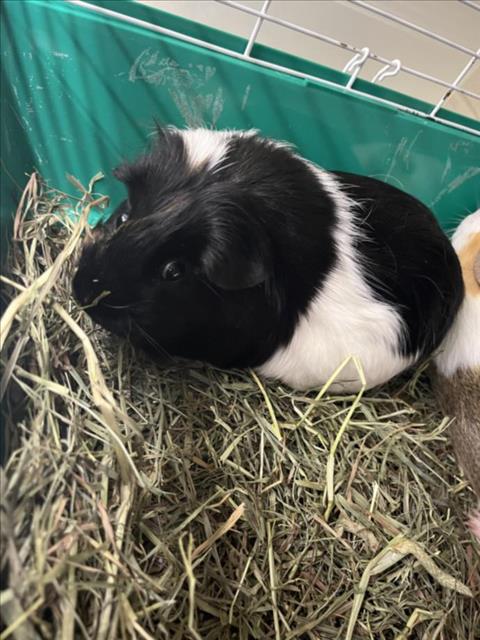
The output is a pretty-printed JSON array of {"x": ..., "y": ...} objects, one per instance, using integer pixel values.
[{"x": 353, "y": 67}]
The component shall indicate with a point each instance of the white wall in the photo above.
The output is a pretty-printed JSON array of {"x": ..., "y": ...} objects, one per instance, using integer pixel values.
[{"x": 350, "y": 23}]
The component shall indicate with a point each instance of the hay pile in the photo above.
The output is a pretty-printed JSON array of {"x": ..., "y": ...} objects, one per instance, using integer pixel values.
[{"x": 198, "y": 503}]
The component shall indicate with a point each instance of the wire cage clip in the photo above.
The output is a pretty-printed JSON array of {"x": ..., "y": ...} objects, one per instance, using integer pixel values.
[
  {"x": 354, "y": 65},
  {"x": 388, "y": 70}
]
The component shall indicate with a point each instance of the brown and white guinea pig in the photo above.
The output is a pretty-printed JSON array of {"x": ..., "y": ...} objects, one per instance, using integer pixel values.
[
  {"x": 457, "y": 377},
  {"x": 232, "y": 249}
]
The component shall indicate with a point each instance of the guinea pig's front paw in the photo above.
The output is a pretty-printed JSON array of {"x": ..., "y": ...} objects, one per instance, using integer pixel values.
[{"x": 474, "y": 524}]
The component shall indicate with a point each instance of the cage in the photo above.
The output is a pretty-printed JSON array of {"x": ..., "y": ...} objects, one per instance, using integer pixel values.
[{"x": 116, "y": 530}]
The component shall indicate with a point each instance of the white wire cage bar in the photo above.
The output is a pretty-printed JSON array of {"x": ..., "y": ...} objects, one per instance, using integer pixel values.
[
  {"x": 353, "y": 66},
  {"x": 414, "y": 27},
  {"x": 454, "y": 86},
  {"x": 473, "y": 5},
  {"x": 373, "y": 56},
  {"x": 256, "y": 28}
]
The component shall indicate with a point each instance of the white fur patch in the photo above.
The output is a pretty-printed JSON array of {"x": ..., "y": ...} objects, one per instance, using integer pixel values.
[
  {"x": 461, "y": 348},
  {"x": 205, "y": 148},
  {"x": 469, "y": 225},
  {"x": 343, "y": 320}
]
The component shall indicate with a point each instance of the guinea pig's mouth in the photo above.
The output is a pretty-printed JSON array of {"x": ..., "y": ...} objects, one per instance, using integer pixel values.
[
  {"x": 120, "y": 322},
  {"x": 115, "y": 320}
]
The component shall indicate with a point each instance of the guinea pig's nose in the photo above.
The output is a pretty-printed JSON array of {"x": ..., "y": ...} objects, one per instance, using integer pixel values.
[{"x": 85, "y": 289}]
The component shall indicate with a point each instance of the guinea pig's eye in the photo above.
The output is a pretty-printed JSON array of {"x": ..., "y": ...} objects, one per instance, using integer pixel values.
[
  {"x": 173, "y": 270},
  {"x": 122, "y": 218}
]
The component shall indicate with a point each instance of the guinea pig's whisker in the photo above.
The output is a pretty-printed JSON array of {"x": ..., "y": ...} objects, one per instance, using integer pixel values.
[
  {"x": 212, "y": 289},
  {"x": 117, "y": 306},
  {"x": 151, "y": 340}
]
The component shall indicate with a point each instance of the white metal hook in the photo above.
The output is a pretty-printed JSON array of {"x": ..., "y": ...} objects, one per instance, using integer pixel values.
[
  {"x": 354, "y": 65},
  {"x": 388, "y": 70}
]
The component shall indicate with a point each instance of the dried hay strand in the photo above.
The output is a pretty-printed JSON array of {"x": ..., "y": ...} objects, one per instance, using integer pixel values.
[{"x": 140, "y": 502}]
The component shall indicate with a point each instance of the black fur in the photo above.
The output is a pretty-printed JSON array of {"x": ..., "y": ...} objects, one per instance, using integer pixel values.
[
  {"x": 255, "y": 236},
  {"x": 408, "y": 260},
  {"x": 256, "y": 251}
]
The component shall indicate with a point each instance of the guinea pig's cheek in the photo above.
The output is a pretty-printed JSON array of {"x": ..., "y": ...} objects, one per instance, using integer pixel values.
[
  {"x": 92, "y": 236},
  {"x": 117, "y": 323}
]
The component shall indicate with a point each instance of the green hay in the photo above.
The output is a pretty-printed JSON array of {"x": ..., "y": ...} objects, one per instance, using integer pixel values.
[{"x": 140, "y": 502}]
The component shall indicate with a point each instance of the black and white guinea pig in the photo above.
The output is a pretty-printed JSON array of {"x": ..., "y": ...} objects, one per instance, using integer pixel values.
[{"x": 234, "y": 250}]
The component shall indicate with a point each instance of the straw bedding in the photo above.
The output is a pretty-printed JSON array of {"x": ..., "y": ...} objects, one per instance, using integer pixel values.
[{"x": 190, "y": 502}]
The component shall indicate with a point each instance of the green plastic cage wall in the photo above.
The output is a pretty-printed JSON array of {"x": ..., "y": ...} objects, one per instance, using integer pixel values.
[{"x": 82, "y": 84}]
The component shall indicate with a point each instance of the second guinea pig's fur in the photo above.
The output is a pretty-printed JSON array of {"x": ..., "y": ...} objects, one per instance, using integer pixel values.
[
  {"x": 456, "y": 376},
  {"x": 234, "y": 250}
]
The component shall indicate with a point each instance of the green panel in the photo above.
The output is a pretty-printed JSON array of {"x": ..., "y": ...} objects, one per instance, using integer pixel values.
[
  {"x": 15, "y": 157},
  {"x": 267, "y": 54},
  {"x": 82, "y": 91}
]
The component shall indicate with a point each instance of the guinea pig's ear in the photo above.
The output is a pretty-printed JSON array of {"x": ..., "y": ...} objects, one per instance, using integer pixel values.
[
  {"x": 134, "y": 178},
  {"x": 129, "y": 172},
  {"x": 238, "y": 258}
]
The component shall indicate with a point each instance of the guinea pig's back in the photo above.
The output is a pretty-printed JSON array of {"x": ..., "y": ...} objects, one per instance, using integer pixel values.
[
  {"x": 408, "y": 260},
  {"x": 389, "y": 297}
]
